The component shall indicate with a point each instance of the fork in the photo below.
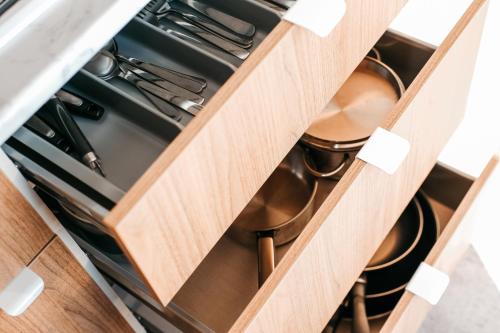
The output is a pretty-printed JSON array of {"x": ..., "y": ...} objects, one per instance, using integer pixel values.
[{"x": 163, "y": 7}]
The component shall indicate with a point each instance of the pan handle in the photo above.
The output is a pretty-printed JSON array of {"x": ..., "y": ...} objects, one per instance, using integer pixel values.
[
  {"x": 265, "y": 248},
  {"x": 312, "y": 170},
  {"x": 359, "y": 318}
]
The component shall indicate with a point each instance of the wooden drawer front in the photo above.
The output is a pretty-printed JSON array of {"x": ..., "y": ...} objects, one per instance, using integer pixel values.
[
  {"x": 323, "y": 263},
  {"x": 70, "y": 301},
  {"x": 176, "y": 212},
  {"x": 24, "y": 234},
  {"x": 450, "y": 247}
]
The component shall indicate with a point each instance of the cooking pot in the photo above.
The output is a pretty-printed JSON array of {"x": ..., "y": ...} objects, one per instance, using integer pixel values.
[
  {"x": 278, "y": 212},
  {"x": 383, "y": 282},
  {"x": 346, "y": 123}
]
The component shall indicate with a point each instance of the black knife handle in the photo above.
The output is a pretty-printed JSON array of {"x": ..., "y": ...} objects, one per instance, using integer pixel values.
[
  {"x": 80, "y": 106},
  {"x": 56, "y": 115},
  {"x": 38, "y": 126}
]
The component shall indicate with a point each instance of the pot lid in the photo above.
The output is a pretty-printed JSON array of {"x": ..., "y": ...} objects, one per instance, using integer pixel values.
[{"x": 359, "y": 106}]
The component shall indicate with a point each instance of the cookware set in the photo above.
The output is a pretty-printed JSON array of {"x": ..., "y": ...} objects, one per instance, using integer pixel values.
[
  {"x": 383, "y": 282},
  {"x": 152, "y": 79}
]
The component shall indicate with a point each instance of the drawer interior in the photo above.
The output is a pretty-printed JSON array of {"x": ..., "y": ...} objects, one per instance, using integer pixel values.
[
  {"x": 226, "y": 281},
  {"x": 133, "y": 132},
  {"x": 445, "y": 190}
]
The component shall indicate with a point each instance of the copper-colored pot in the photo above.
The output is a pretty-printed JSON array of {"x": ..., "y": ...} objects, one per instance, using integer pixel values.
[
  {"x": 338, "y": 133},
  {"x": 278, "y": 212}
]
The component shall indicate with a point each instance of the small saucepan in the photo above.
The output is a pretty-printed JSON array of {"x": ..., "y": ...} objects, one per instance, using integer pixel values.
[
  {"x": 278, "y": 212},
  {"x": 346, "y": 123}
]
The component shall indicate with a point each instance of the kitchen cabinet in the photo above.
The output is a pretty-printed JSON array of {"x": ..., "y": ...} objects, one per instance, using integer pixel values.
[{"x": 171, "y": 223}]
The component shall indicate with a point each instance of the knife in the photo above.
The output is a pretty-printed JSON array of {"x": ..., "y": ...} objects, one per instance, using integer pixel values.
[
  {"x": 38, "y": 126},
  {"x": 80, "y": 106},
  {"x": 57, "y": 116}
]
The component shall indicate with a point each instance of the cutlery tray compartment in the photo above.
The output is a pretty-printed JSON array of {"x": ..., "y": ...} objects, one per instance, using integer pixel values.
[
  {"x": 263, "y": 18},
  {"x": 128, "y": 138},
  {"x": 149, "y": 44}
]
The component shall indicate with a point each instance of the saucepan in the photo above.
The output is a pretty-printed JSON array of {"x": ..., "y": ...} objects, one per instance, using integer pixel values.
[
  {"x": 346, "y": 123},
  {"x": 278, "y": 212},
  {"x": 378, "y": 290}
]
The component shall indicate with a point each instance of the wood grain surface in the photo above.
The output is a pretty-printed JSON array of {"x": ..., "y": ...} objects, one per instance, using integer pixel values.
[
  {"x": 70, "y": 301},
  {"x": 322, "y": 264},
  {"x": 171, "y": 218},
  {"x": 23, "y": 233},
  {"x": 449, "y": 249}
]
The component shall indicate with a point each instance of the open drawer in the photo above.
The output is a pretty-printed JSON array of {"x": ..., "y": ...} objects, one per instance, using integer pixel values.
[
  {"x": 456, "y": 194},
  {"x": 316, "y": 271},
  {"x": 451, "y": 196},
  {"x": 187, "y": 198},
  {"x": 70, "y": 299}
]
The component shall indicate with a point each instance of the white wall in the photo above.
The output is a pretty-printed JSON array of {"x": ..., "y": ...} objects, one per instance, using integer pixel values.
[{"x": 478, "y": 137}]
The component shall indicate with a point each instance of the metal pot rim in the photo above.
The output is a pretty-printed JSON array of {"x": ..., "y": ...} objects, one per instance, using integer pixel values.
[{"x": 416, "y": 240}]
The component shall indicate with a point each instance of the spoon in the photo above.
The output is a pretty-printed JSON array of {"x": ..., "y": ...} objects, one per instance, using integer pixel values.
[{"x": 106, "y": 66}]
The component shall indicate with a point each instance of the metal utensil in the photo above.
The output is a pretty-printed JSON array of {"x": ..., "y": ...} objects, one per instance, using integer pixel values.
[
  {"x": 39, "y": 127},
  {"x": 175, "y": 89},
  {"x": 278, "y": 212},
  {"x": 282, "y": 5},
  {"x": 56, "y": 115},
  {"x": 106, "y": 66},
  {"x": 163, "y": 7},
  {"x": 221, "y": 43},
  {"x": 235, "y": 24},
  {"x": 189, "y": 82},
  {"x": 178, "y": 32},
  {"x": 80, "y": 106}
]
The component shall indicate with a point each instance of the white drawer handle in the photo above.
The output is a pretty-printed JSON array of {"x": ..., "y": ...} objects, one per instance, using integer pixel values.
[
  {"x": 385, "y": 150},
  {"x": 428, "y": 283},
  {"x": 21, "y": 292},
  {"x": 318, "y": 16}
]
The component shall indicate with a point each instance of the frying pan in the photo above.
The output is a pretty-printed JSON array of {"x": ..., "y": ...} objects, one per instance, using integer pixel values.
[
  {"x": 278, "y": 212},
  {"x": 387, "y": 276}
]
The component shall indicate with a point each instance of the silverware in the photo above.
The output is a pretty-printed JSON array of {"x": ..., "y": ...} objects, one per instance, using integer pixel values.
[
  {"x": 187, "y": 12},
  {"x": 189, "y": 82},
  {"x": 175, "y": 89},
  {"x": 80, "y": 106},
  {"x": 287, "y": 4},
  {"x": 57, "y": 116},
  {"x": 179, "y": 32},
  {"x": 39, "y": 127},
  {"x": 185, "y": 104},
  {"x": 235, "y": 24},
  {"x": 106, "y": 66},
  {"x": 221, "y": 43}
]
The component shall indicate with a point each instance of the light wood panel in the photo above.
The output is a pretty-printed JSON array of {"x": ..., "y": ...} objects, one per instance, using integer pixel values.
[
  {"x": 450, "y": 247},
  {"x": 70, "y": 302},
  {"x": 179, "y": 209},
  {"x": 23, "y": 233},
  {"x": 322, "y": 264}
]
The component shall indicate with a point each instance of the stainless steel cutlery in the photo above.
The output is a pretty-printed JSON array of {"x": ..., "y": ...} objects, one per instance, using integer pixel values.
[
  {"x": 106, "y": 66},
  {"x": 193, "y": 18}
]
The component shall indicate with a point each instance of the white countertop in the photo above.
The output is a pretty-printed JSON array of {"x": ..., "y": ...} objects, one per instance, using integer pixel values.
[{"x": 51, "y": 49}]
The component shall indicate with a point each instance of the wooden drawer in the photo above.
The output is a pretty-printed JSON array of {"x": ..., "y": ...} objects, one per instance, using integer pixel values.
[
  {"x": 315, "y": 272},
  {"x": 70, "y": 301},
  {"x": 24, "y": 234},
  {"x": 188, "y": 198},
  {"x": 451, "y": 195}
]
